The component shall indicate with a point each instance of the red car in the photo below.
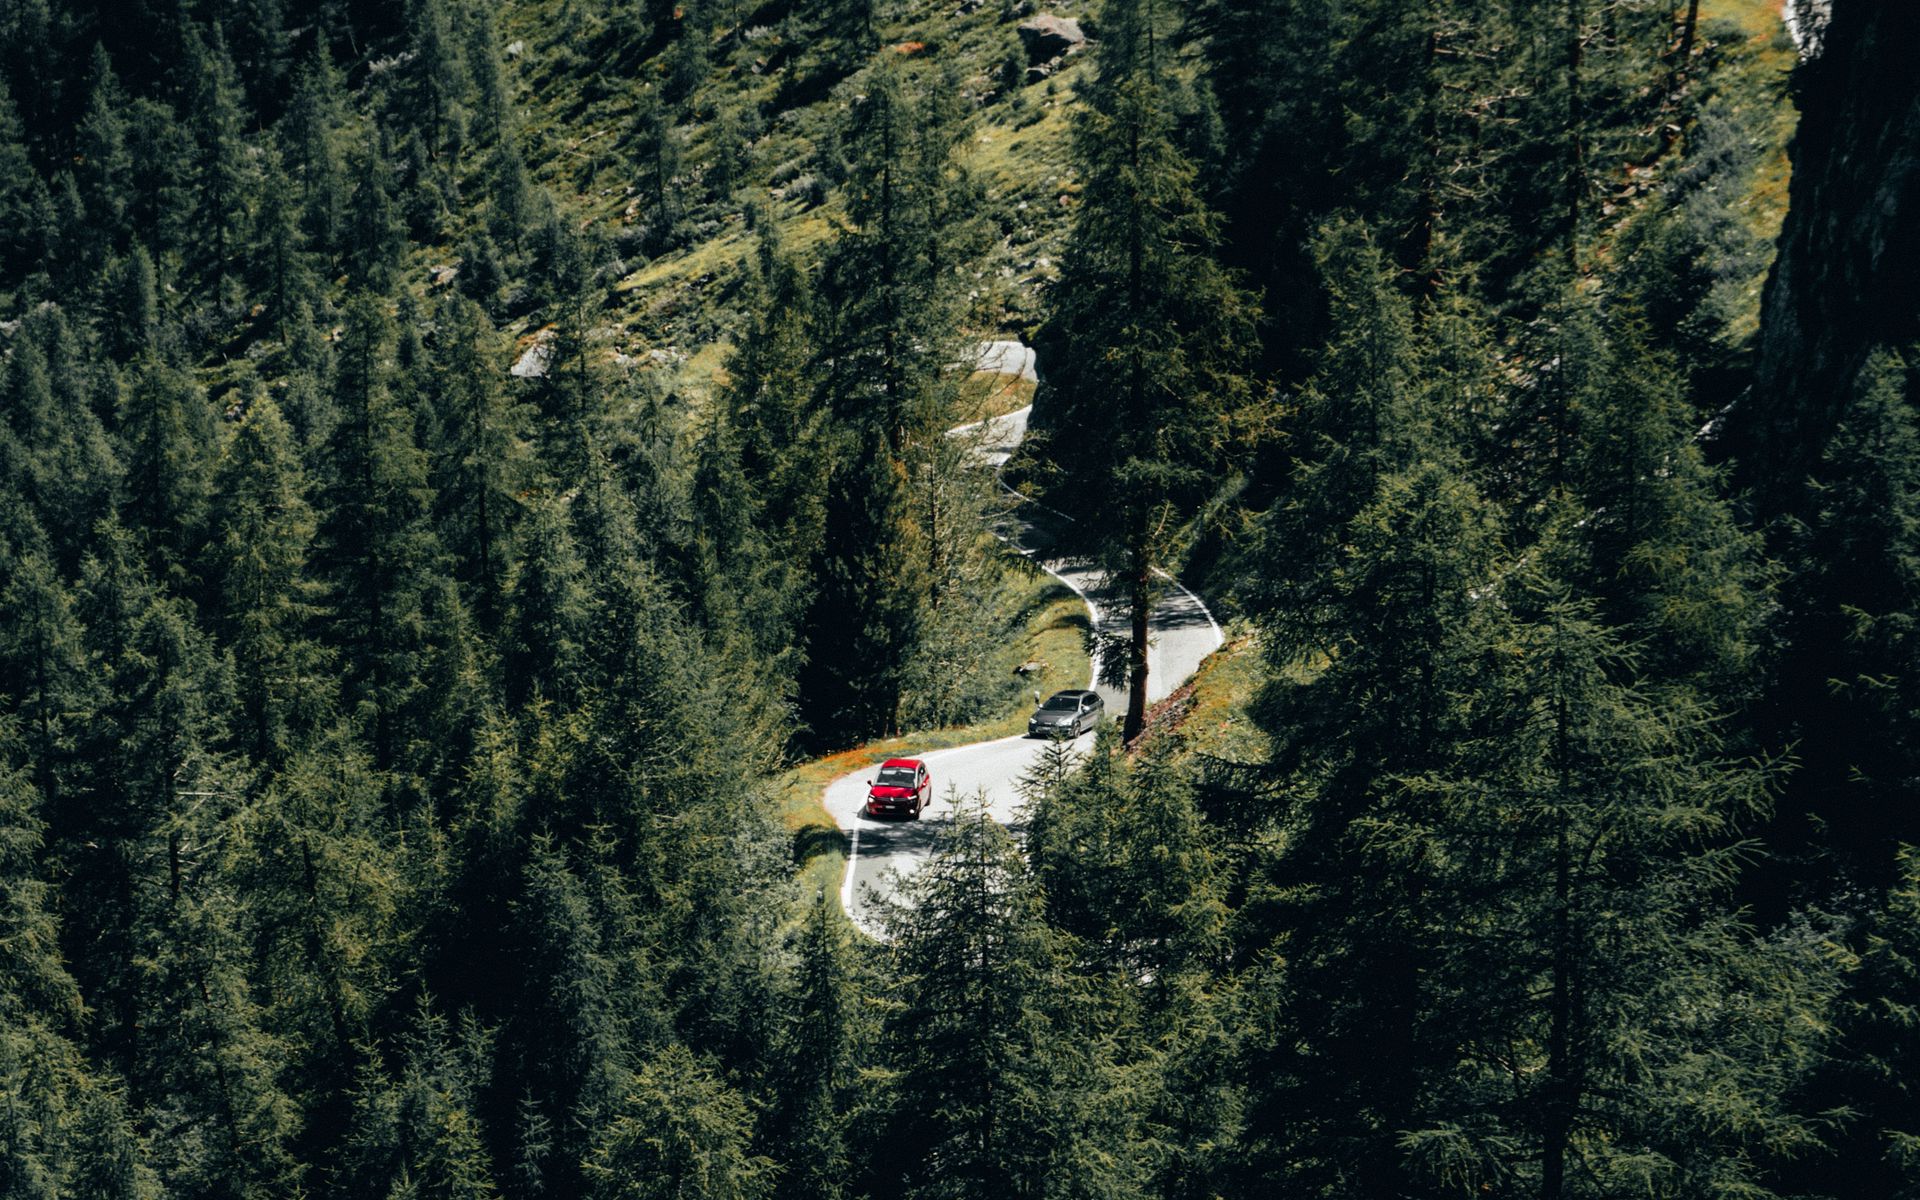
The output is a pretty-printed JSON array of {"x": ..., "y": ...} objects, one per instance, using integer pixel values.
[{"x": 902, "y": 786}]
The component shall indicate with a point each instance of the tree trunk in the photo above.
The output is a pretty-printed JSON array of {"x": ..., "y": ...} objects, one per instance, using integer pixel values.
[
  {"x": 1562, "y": 1091},
  {"x": 1576, "y": 182},
  {"x": 1140, "y": 604}
]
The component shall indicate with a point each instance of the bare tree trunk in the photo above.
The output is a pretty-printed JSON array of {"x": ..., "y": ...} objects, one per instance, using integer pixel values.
[{"x": 1140, "y": 603}]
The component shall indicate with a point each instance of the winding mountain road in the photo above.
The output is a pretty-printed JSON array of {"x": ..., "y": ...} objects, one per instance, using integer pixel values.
[{"x": 885, "y": 852}]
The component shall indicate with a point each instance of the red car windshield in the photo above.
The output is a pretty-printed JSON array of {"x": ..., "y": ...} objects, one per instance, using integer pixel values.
[{"x": 895, "y": 777}]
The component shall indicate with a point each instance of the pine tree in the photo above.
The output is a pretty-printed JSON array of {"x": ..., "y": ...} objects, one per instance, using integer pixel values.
[
  {"x": 824, "y": 1031},
  {"x": 47, "y": 688},
  {"x": 1123, "y": 858},
  {"x": 168, "y": 435},
  {"x": 1381, "y": 642},
  {"x": 19, "y": 249},
  {"x": 479, "y": 455},
  {"x": 567, "y": 1046},
  {"x": 490, "y": 89},
  {"x": 989, "y": 1085},
  {"x": 680, "y": 1133},
  {"x": 320, "y": 873},
  {"x": 1146, "y": 334},
  {"x": 105, "y": 175},
  {"x": 374, "y": 236},
  {"x": 1876, "y": 1050},
  {"x": 545, "y": 655},
  {"x": 223, "y": 183},
  {"x": 263, "y": 532},
  {"x": 42, "y": 1073},
  {"x": 419, "y": 1134},
  {"x": 281, "y": 270},
  {"x": 165, "y": 159},
  {"x": 887, "y": 286},
  {"x": 314, "y": 116},
  {"x": 64, "y": 470},
  {"x": 1844, "y": 693},
  {"x": 865, "y": 616},
  {"x": 769, "y": 400},
  {"x": 133, "y": 306},
  {"x": 655, "y": 154},
  {"x": 1593, "y": 937},
  {"x": 378, "y": 545},
  {"x": 439, "y": 83}
]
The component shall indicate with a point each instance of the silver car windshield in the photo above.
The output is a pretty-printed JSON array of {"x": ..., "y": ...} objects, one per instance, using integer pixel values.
[{"x": 1062, "y": 704}]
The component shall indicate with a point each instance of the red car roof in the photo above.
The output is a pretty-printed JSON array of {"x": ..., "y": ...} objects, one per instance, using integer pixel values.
[{"x": 901, "y": 762}]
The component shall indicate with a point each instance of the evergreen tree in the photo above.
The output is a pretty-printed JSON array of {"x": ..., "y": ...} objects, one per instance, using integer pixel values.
[
  {"x": 680, "y": 1132},
  {"x": 105, "y": 169},
  {"x": 478, "y": 454},
  {"x": 1123, "y": 858},
  {"x": 887, "y": 286},
  {"x": 320, "y": 874},
  {"x": 63, "y": 469},
  {"x": 989, "y": 1085},
  {"x": 47, "y": 688},
  {"x": 545, "y": 657},
  {"x": 567, "y": 1047},
  {"x": 439, "y": 77},
  {"x": 1844, "y": 693},
  {"x": 777, "y": 428},
  {"x": 865, "y": 615},
  {"x": 165, "y": 160},
  {"x": 1147, "y": 331},
  {"x": 263, "y": 531},
  {"x": 374, "y": 237},
  {"x": 656, "y": 158},
  {"x": 378, "y": 546},
  {"x": 1592, "y": 840},
  {"x": 314, "y": 117},
  {"x": 19, "y": 248},
  {"x": 419, "y": 1134},
  {"x": 1379, "y": 642},
  {"x": 168, "y": 435},
  {"x": 1870, "y": 1071},
  {"x": 281, "y": 270},
  {"x": 824, "y": 1031},
  {"x": 491, "y": 96},
  {"x": 222, "y": 183},
  {"x": 132, "y": 307}
]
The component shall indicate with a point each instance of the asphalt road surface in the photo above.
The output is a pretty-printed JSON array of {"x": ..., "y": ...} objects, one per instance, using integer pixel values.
[{"x": 884, "y": 852}]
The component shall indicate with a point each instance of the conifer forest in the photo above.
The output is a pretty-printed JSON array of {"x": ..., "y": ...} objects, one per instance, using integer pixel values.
[{"x": 481, "y": 479}]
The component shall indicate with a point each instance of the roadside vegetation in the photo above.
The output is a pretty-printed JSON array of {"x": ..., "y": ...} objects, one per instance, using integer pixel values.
[{"x": 470, "y": 472}]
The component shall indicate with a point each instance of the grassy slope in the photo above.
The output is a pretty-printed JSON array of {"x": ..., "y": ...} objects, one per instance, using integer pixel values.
[{"x": 683, "y": 301}]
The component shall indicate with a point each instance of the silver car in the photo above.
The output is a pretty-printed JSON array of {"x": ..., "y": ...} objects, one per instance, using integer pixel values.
[{"x": 1066, "y": 714}]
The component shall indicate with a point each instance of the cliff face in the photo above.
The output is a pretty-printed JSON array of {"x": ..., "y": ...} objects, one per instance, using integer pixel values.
[{"x": 1847, "y": 277}]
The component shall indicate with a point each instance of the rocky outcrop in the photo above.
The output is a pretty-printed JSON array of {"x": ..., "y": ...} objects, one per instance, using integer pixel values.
[
  {"x": 1049, "y": 38},
  {"x": 1847, "y": 278}
]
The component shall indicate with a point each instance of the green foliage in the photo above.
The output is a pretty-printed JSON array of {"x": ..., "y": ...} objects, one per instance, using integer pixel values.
[
  {"x": 384, "y": 802},
  {"x": 1845, "y": 686},
  {"x": 1148, "y": 330},
  {"x": 678, "y": 1132},
  {"x": 263, "y": 532},
  {"x": 990, "y": 1084}
]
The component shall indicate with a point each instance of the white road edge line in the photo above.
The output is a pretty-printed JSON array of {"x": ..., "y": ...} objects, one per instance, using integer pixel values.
[
  {"x": 846, "y": 886},
  {"x": 1093, "y": 613},
  {"x": 1219, "y": 638}
]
